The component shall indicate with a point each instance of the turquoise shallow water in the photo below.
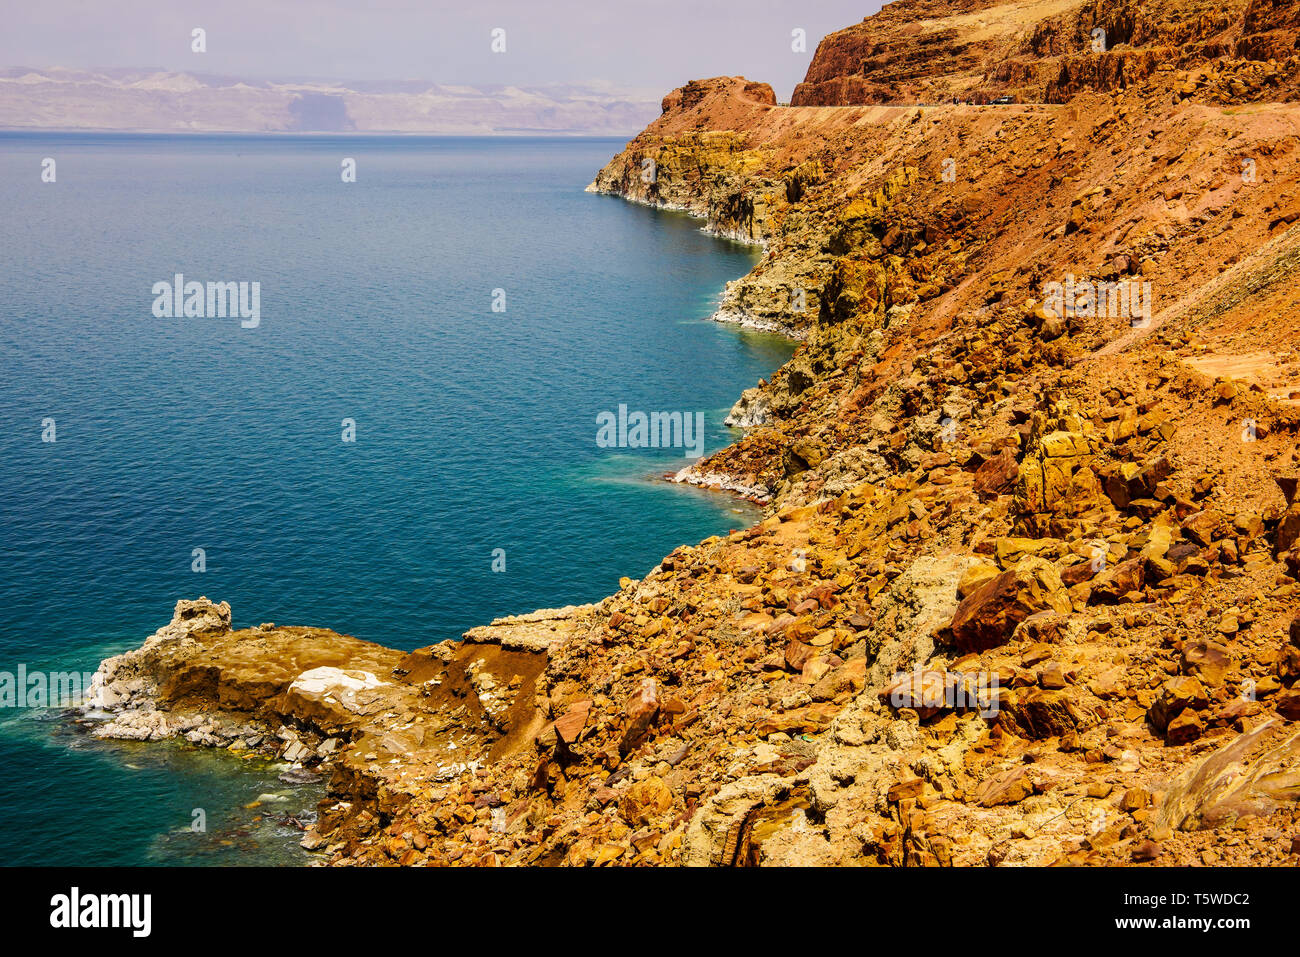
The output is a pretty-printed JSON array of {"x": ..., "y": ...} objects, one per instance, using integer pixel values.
[{"x": 475, "y": 430}]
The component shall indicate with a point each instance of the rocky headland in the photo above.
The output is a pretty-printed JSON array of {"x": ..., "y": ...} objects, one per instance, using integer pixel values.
[{"x": 1026, "y": 590}]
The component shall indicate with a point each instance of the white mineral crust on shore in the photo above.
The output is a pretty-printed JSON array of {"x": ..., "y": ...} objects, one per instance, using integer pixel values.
[
  {"x": 723, "y": 482},
  {"x": 324, "y": 679}
]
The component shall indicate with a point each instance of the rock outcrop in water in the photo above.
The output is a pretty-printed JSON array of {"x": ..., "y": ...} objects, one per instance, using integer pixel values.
[{"x": 1026, "y": 591}]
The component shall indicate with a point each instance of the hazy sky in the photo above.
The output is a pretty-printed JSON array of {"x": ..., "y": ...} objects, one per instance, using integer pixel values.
[{"x": 652, "y": 46}]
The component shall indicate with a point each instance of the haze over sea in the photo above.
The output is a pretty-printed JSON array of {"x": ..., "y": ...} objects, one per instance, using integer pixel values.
[{"x": 475, "y": 430}]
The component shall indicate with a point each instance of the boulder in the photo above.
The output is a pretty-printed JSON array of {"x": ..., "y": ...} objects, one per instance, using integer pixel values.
[
  {"x": 569, "y": 726},
  {"x": 639, "y": 713},
  {"x": 1009, "y": 787},
  {"x": 997, "y": 476},
  {"x": 1253, "y": 775},
  {"x": 644, "y": 801},
  {"x": 989, "y": 615},
  {"x": 928, "y": 692},
  {"x": 1176, "y": 695},
  {"x": 1288, "y": 530},
  {"x": 1206, "y": 660},
  {"x": 1111, "y": 585},
  {"x": 1040, "y": 712}
]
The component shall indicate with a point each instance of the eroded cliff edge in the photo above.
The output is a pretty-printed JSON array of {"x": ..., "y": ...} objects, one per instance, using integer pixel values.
[
  {"x": 1046, "y": 51},
  {"x": 1089, "y": 511}
]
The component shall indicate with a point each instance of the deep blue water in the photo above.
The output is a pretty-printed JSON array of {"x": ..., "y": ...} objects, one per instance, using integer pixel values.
[{"x": 475, "y": 430}]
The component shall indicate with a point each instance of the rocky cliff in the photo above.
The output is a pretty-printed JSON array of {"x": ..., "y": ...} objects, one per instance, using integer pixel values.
[
  {"x": 1027, "y": 587},
  {"x": 931, "y": 51}
]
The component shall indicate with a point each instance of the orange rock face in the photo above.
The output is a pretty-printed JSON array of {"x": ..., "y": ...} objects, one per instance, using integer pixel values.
[
  {"x": 923, "y": 51},
  {"x": 1026, "y": 586}
]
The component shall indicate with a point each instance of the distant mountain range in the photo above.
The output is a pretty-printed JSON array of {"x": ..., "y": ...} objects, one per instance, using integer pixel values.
[{"x": 162, "y": 101}]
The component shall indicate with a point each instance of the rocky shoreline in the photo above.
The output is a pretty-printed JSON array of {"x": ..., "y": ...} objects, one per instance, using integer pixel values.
[
  {"x": 328, "y": 705},
  {"x": 722, "y": 482},
  {"x": 731, "y": 317},
  {"x": 1027, "y": 588}
]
